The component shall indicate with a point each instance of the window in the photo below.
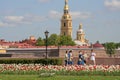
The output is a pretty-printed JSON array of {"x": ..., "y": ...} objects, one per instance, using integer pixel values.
[{"x": 64, "y": 24}]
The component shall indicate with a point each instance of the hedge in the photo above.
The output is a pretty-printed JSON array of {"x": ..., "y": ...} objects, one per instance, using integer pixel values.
[{"x": 52, "y": 61}]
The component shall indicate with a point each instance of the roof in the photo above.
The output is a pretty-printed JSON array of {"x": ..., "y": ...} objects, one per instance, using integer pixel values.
[{"x": 98, "y": 45}]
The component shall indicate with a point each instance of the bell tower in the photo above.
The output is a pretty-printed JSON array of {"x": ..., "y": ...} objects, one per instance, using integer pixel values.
[{"x": 66, "y": 22}]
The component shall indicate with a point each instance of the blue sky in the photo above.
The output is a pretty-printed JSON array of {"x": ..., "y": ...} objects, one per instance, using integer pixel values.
[{"x": 20, "y": 19}]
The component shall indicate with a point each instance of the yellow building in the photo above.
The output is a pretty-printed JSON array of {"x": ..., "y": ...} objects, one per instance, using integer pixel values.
[
  {"x": 66, "y": 21},
  {"x": 80, "y": 34},
  {"x": 66, "y": 27},
  {"x": 80, "y": 40}
]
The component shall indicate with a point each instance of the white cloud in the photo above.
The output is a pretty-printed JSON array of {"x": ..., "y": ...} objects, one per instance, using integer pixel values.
[
  {"x": 13, "y": 18},
  {"x": 32, "y": 19},
  {"x": 54, "y": 14},
  {"x": 80, "y": 15},
  {"x": 11, "y": 21},
  {"x": 3, "y": 24},
  {"x": 20, "y": 20},
  {"x": 112, "y": 4},
  {"x": 6, "y": 24},
  {"x": 75, "y": 15}
]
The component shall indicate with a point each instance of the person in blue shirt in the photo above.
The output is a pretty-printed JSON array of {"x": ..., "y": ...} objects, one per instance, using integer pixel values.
[
  {"x": 80, "y": 58},
  {"x": 70, "y": 58}
]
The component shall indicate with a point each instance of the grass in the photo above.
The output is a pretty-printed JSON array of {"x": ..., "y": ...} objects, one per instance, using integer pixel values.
[{"x": 36, "y": 77}]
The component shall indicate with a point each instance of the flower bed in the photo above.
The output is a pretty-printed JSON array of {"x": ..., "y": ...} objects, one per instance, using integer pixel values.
[{"x": 60, "y": 70}]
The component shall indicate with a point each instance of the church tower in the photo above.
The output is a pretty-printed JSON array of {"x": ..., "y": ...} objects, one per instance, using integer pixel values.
[
  {"x": 66, "y": 22},
  {"x": 80, "y": 34},
  {"x": 80, "y": 39}
]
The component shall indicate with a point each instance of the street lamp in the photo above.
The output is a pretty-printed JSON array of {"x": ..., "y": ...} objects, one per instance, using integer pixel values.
[{"x": 46, "y": 35}]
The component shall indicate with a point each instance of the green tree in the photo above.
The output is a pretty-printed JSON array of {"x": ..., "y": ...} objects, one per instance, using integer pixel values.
[
  {"x": 66, "y": 40},
  {"x": 117, "y": 45},
  {"x": 53, "y": 39},
  {"x": 56, "y": 40},
  {"x": 110, "y": 48},
  {"x": 40, "y": 42}
]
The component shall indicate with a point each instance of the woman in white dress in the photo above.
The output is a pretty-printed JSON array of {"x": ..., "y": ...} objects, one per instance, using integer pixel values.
[{"x": 92, "y": 57}]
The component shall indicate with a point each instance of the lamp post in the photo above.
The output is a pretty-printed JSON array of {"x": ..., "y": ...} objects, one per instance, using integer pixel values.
[{"x": 46, "y": 35}]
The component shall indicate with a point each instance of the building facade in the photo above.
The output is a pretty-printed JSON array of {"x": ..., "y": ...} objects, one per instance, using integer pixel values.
[
  {"x": 66, "y": 22},
  {"x": 80, "y": 39},
  {"x": 66, "y": 27},
  {"x": 80, "y": 34}
]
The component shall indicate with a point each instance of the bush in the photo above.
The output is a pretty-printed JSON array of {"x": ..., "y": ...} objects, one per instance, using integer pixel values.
[{"x": 53, "y": 61}]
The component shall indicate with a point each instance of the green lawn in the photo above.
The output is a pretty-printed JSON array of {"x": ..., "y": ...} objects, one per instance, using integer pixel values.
[{"x": 36, "y": 77}]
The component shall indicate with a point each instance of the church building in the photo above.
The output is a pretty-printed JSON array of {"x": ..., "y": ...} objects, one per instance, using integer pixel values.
[
  {"x": 80, "y": 39},
  {"x": 66, "y": 21},
  {"x": 66, "y": 27}
]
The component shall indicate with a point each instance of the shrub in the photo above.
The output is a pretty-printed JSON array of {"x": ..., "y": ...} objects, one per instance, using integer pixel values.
[{"x": 52, "y": 61}]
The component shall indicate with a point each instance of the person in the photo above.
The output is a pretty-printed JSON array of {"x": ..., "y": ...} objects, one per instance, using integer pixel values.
[
  {"x": 85, "y": 57},
  {"x": 92, "y": 57},
  {"x": 80, "y": 58},
  {"x": 70, "y": 58},
  {"x": 66, "y": 58}
]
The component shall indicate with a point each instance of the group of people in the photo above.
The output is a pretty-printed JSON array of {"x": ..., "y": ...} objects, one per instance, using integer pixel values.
[
  {"x": 82, "y": 57},
  {"x": 68, "y": 58}
]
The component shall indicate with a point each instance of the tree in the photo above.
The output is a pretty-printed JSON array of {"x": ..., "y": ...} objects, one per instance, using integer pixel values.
[
  {"x": 110, "y": 48},
  {"x": 66, "y": 40},
  {"x": 53, "y": 39},
  {"x": 40, "y": 42},
  {"x": 56, "y": 40},
  {"x": 117, "y": 45}
]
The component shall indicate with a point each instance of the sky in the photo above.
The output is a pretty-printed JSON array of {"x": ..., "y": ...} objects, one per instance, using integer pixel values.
[{"x": 20, "y": 19}]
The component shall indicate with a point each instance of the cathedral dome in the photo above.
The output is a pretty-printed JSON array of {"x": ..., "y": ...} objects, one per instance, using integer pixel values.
[{"x": 80, "y": 30}]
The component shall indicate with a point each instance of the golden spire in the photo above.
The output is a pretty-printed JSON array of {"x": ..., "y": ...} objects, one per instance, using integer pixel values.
[
  {"x": 66, "y": 5},
  {"x": 80, "y": 26},
  {"x": 66, "y": 2}
]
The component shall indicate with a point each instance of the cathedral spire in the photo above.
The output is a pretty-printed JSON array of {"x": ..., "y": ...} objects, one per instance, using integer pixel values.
[
  {"x": 80, "y": 26},
  {"x": 66, "y": 7},
  {"x": 66, "y": 2},
  {"x": 66, "y": 21}
]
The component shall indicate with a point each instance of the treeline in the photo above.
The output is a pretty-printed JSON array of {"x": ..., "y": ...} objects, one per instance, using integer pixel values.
[
  {"x": 111, "y": 44},
  {"x": 111, "y": 47},
  {"x": 56, "y": 40}
]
